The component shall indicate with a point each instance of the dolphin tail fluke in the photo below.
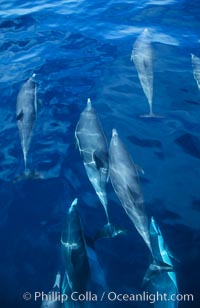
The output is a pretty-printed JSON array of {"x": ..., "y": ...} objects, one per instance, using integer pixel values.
[
  {"x": 109, "y": 231},
  {"x": 154, "y": 269},
  {"x": 57, "y": 281},
  {"x": 152, "y": 115},
  {"x": 28, "y": 175}
]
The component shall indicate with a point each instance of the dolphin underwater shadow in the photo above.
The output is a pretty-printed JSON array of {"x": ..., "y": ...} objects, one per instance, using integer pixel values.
[
  {"x": 160, "y": 276},
  {"x": 124, "y": 178},
  {"x": 142, "y": 56},
  {"x": 93, "y": 148}
]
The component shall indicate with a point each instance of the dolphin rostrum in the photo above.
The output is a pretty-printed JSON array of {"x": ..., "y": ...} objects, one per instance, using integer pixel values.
[
  {"x": 53, "y": 300},
  {"x": 92, "y": 145},
  {"x": 124, "y": 178},
  {"x": 196, "y": 69},
  {"x": 26, "y": 114},
  {"x": 142, "y": 56}
]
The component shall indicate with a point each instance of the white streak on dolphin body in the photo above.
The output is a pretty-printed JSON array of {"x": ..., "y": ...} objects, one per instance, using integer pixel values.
[
  {"x": 93, "y": 148},
  {"x": 142, "y": 56},
  {"x": 124, "y": 178},
  {"x": 26, "y": 113},
  {"x": 196, "y": 69}
]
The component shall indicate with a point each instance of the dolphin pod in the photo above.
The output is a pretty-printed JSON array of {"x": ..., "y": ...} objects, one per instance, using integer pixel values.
[
  {"x": 124, "y": 178},
  {"x": 196, "y": 69},
  {"x": 142, "y": 56},
  {"x": 93, "y": 148},
  {"x": 26, "y": 113},
  {"x": 100, "y": 165},
  {"x": 160, "y": 276}
]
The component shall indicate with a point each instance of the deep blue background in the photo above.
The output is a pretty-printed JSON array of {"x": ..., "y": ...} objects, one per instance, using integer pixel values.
[{"x": 81, "y": 49}]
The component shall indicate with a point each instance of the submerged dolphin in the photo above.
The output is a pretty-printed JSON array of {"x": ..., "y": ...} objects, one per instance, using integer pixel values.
[
  {"x": 142, "y": 56},
  {"x": 82, "y": 270},
  {"x": 92, "y": 145},
  {"x": 53, "y": 299},
  {"x": 77, "y": 271},
  {"x": 196, "y": 69},
  {"x": 124, "y": 177},
  {"x": 26, "y": 114},
  {"x": 160, "y": 276}
]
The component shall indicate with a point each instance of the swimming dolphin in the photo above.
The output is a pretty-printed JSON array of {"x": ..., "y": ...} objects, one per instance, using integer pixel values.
[
  {"x": 160, "y": 276},
  {"x": 77, "y": 271},
  {"x": 142, "y": 56},
  {"x": 53, "y": 299},
  {"x": 92, "y": 145},
  {"x": 124, "y": 178},
  {"x": 196, "y": 69},
  {"x": 82, "y": 270},
  {"x": 26, "y": 114}
]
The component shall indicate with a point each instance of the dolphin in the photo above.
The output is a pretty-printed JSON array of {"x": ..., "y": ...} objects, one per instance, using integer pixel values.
[
  {"x": 160, "y": 251},
  {"x": 124, "y": 178},
  {"x": 93, "y": 147},
  {"x": 26, "y": 113},
  {"x": 82, "y": 270},
  {"x": 53, "y": 298},
  {"x": 77, "y": 271},
  {"x": 160, "y": 276},
  {"x": 196, "y": 69},
  {"x": 142, "y": 56}
]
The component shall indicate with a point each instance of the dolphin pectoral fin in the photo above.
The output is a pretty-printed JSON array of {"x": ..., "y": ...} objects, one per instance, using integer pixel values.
[
  {"x": 139, "y": 169},
  {"x": 20, "y": 115},
  {"x": 109, "y": 231}
]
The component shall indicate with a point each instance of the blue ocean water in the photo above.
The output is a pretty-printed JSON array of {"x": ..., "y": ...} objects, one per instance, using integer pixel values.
[{"x": 81, "y": 49}]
